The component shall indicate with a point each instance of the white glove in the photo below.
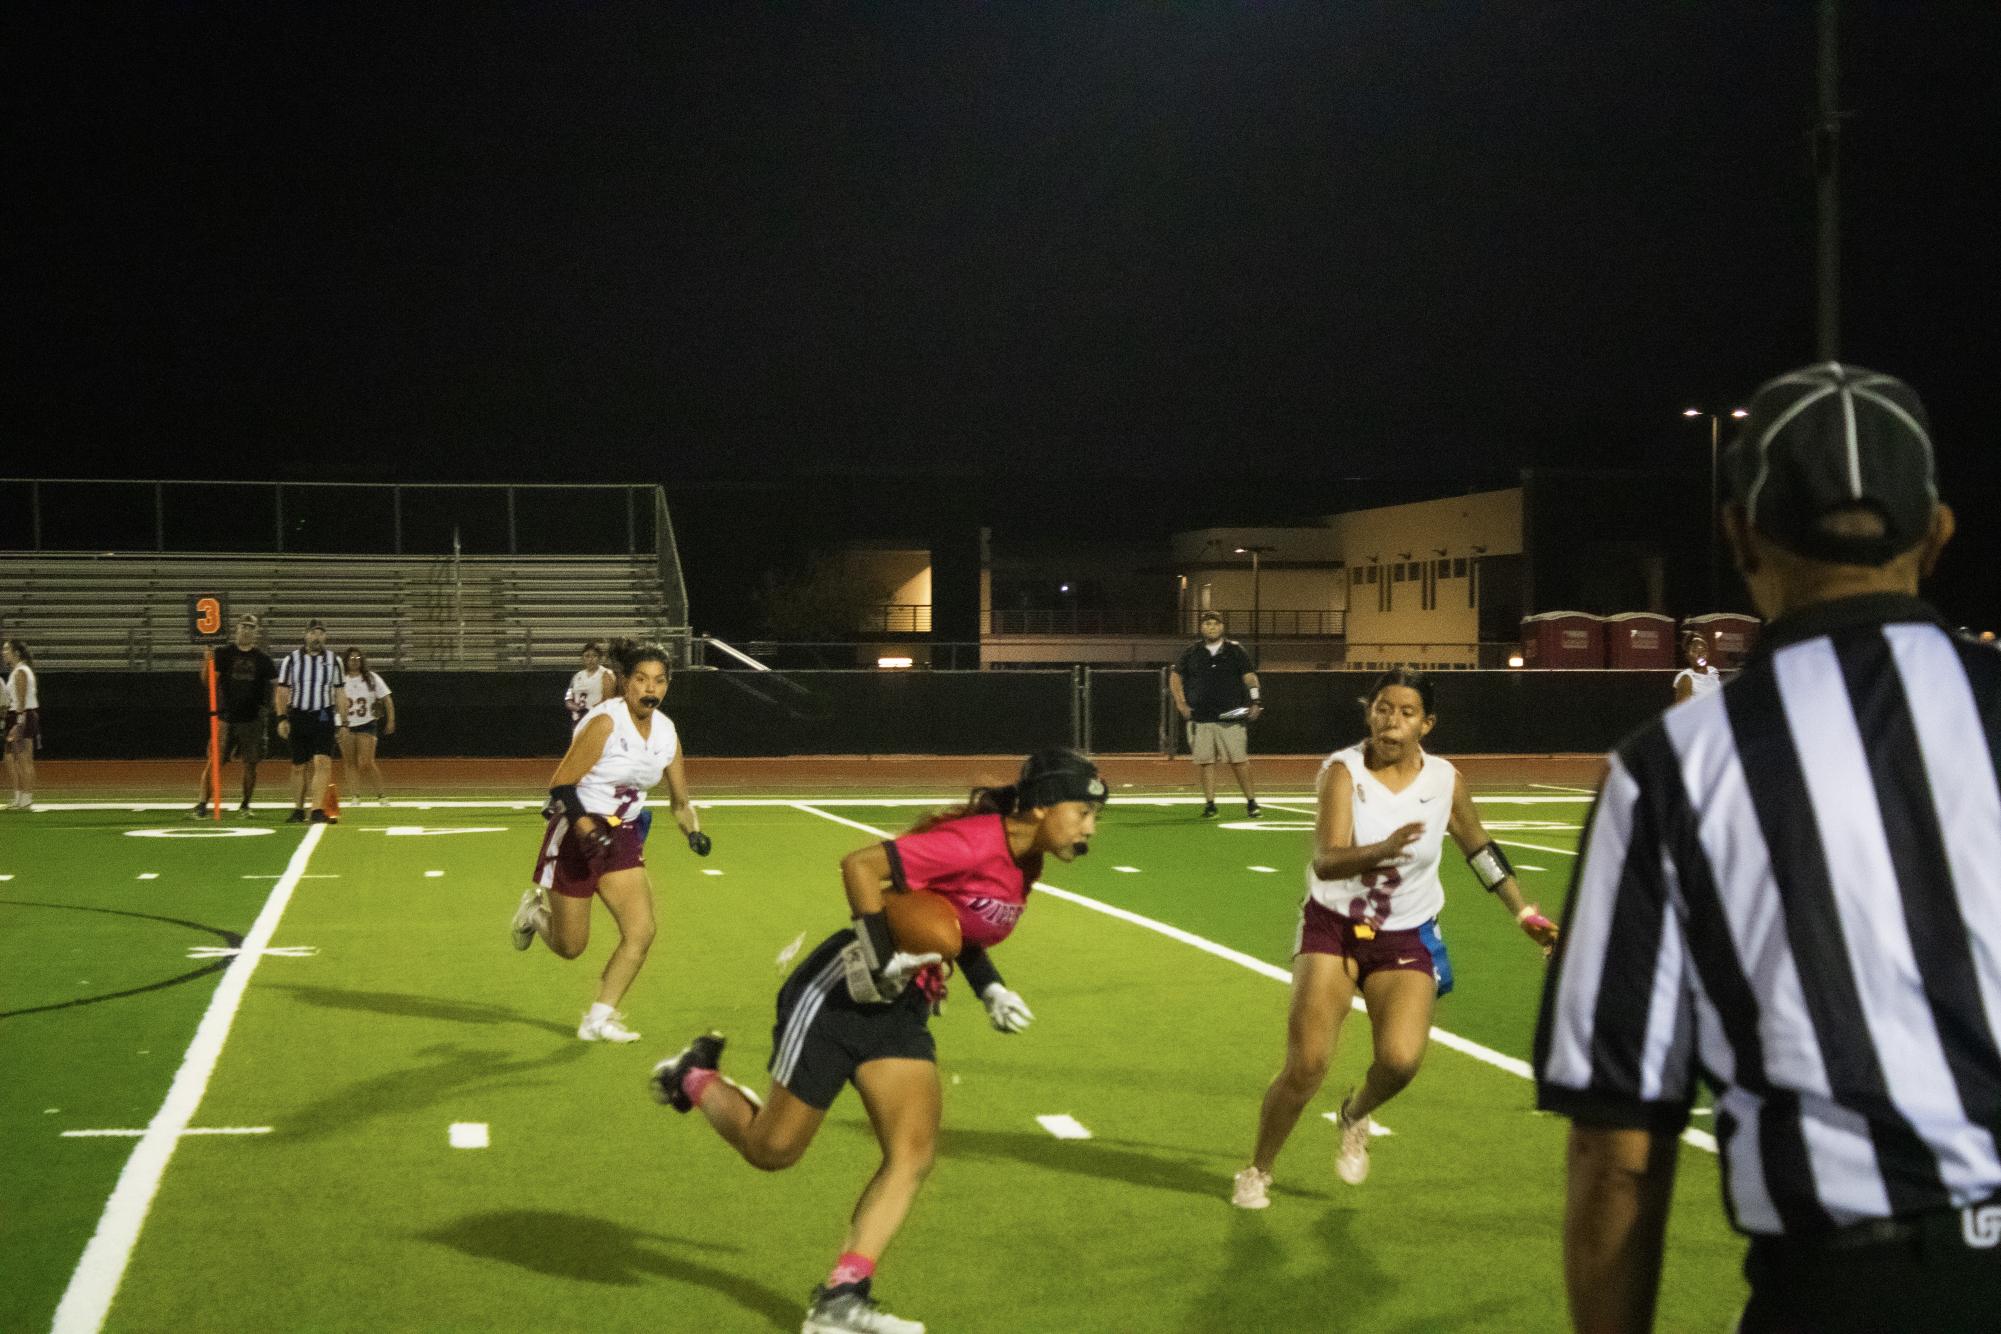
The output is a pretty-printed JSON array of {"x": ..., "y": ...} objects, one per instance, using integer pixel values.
[
  {"x": 901, "y": 966},
  {"x": 1007, "y": 1011}
]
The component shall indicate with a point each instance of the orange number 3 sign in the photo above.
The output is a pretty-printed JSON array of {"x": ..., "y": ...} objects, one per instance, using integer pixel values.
[{"x": 206, "y": 614}]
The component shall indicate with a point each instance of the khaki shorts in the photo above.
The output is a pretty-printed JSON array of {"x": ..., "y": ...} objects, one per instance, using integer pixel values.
[{"x": 1209, "y": 742}]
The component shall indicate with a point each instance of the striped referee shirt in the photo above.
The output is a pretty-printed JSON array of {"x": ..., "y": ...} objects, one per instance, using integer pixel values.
[
  {"x": 312, "y": 677},
  {"x": 1792, "y": 889}
]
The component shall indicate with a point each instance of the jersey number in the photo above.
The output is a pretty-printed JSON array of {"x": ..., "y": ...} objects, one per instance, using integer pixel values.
[{"x": 1381, "y": 882}]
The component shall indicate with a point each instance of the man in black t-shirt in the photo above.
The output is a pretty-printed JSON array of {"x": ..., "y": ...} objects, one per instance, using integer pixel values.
[
  {"x": 1215, "y": 689},
  {"x": 243, "y": 677}
]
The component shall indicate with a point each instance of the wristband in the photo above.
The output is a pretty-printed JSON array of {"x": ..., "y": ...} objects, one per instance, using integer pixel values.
[
  {"x": 1254, "y": 694},
  {"x": 1528, "y": 910},
  {"x": 567, "y": 798},
  {"x": 872, "y": 929}
]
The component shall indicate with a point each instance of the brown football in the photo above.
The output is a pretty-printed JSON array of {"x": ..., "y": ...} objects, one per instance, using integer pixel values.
[{"x": 923, "y": 923}]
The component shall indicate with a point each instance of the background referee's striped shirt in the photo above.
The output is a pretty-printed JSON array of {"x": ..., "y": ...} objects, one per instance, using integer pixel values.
[
  {"x": 312, "y": 677},
  {"x": 1793, "y": 886}
]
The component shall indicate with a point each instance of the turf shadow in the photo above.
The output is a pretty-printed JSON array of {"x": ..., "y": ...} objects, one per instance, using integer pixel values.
[
  {"x": 409, "y": 1006},
  {"x": 597, "y": 1250},
  {"x": 449, "y": 1071},
  {"x": 1340, "y": 1289},
  {"x": 1186, "y": 1171}
]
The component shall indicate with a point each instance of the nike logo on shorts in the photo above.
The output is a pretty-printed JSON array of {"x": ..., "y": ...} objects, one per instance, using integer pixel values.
[{"x": 1402, "y": 962}]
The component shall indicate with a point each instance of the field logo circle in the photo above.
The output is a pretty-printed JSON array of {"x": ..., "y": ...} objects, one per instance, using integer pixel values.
[{"x": 225, "y": 831}]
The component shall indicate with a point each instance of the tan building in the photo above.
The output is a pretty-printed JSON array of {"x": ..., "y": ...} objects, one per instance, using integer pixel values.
[{"x": 1419, "y": 574}]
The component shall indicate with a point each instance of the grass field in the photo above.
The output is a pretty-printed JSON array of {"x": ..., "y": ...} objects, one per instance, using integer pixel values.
[{"x": 295, "y": 1021}]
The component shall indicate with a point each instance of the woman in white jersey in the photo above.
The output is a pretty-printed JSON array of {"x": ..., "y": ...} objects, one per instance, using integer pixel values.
[
  {"x": 23, "y": 722},
  {"x": 1370, "y": 921},
  {"x": 592, "y": 846},
  {"x": 1698, "y": 676},
  {"x": 590, "y": 685},
  {"x": 367, "y": 712}
]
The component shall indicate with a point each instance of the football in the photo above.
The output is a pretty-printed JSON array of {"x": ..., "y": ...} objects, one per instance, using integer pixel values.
[{"x": 923, "y": 923}]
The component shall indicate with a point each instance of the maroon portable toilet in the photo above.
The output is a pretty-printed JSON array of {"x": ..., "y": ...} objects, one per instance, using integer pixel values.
[
  {"x": 1730, "y": 635},
  {"x": 1639, "y": 640},
  {"x": 1563, "y": 639}
]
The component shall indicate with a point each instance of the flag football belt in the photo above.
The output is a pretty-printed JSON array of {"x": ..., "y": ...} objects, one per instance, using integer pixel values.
[{"x": 1975, "y": 1227}]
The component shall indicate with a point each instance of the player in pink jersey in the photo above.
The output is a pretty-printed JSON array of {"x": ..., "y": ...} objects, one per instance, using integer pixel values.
[
  {"x": 1370, "y": 922},
  {"x": 857, "y": 1010}
]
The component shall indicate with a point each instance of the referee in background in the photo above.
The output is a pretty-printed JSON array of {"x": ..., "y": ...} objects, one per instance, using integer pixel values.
[
  {"x": 1792, "y": 887},
  {"x": 308, "y": 720}
]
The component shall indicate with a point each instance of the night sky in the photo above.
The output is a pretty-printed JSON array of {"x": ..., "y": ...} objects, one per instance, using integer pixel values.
[{"x": 1077, "y": 260}]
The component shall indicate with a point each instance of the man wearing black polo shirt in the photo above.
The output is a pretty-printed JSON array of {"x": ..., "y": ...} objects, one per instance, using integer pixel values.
[
  {"x": 1215, "y": 689},
  {"x": 243, "y": 677}
]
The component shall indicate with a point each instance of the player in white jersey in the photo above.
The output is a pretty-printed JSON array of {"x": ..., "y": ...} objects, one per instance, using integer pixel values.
[
  {"x": 23, "y": 721},
  {"x": 367, "y": 711},
  {"x": 1698, "y": 676},
  {"x": 590, "y": 685},
  {"x": 592, "y": 846},
  {"x": 1370, "y": 922}
]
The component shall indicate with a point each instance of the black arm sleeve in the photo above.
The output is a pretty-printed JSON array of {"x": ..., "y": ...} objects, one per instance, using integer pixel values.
[{"x": 978, "y": 968}]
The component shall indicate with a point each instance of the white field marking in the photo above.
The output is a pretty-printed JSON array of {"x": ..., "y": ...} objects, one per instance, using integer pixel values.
[
  {"x": 1465, "y": 1046},
  {"x": 1064, "y": 1126},
  {"x": 1127, "y": 870},
  {"x": 1309, "y": 812},
  {"x": 1565, "y": 787},
  {"x": 1531, "y": 826},
  {"x": 280, "y": 877},
  {"x": 1263, "y": 870},
  {"x": 195, "y": 1130},
  {"x": 6, "y": 877},
  {"x": 426, "y": 831},
  {"x": 708, "y": 803},
  {"x": 1376, "y": 1128},
  {"x": 149, "y": 875},
  {"x": 710, "y": 870},
  {"x": 1267, "y": 826},
  {"x": 434, "y": 875},
  {"x": 275, "y": 952},
  {"x": 791, "y": 951},
  {"x": 1538, "y": 847},
  {"x": 1525, "y": 866},
  {"x": 467, "y": 1135},
  {"x": 221, "y": 831},
  {"x": 87, "y": 1300}
]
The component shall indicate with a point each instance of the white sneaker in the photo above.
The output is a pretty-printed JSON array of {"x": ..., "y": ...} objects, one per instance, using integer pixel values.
[
  {"x": 1351, "y": 1161},
  {"x": 525, "y": 918},
  {"x": 853, "y": 1311},
  {"x": 611, "y": 1028},
  {"x": 1249, "y": 1192}
]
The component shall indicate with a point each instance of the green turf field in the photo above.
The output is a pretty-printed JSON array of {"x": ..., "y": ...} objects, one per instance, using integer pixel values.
[{"x": 385, "y": 1006}]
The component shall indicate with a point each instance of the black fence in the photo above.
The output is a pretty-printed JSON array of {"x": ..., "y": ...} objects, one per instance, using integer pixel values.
[{"x": 98, "y": 715}]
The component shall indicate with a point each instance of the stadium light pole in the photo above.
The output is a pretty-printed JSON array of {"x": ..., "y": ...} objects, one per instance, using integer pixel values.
[
  {"x": 1715, "y": 443},
  {"x": 1257, "y": 627}
]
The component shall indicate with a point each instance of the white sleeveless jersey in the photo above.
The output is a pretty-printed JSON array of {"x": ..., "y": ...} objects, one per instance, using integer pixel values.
[
  {"x": 1402, "y": 895},
  {"x": 586, "y": 689},
  {"x": 1705, "y": 682},
  {"x": 618, "y": 782},
  {"x": 21, "y": 689},
  {"x": 362, "y": 694}
]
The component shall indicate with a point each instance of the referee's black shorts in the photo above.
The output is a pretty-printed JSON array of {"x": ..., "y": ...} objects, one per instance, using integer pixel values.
[
  {"x": 822, "y": 1033},
  {"x": 312, "y": 733},
  {"x": 1938, "y": 1273}
]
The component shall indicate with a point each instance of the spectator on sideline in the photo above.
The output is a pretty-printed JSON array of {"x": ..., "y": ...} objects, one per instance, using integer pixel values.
[
  {"x": 1215, "y": 688},
  {"x": 24, "y": 722},
  {"x": 591, "y": 685},
  {"x": 1698, "y": 675},
  {"x": 1790, "y": 889},
  {"x": 244, "y": 674},
  {"x": 308, "y": 719},
  {"x": 364, "y": 694}
]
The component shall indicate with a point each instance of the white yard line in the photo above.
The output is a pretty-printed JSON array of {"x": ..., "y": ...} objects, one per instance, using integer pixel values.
[
  {"x": 1302, "y": 800},
  {"x": 1539, "y": 847},
  {"x": 1565, "y": 787},
  {"x": 1465, "y": 1046},
  {"x": 87, "y": 1301}
]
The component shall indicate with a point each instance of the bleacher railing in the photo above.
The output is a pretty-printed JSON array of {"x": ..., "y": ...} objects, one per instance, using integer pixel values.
[{"x": 1243, "y": 623}]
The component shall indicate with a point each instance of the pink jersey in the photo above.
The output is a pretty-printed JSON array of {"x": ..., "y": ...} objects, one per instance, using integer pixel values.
[{"x": 966, "y": 860}]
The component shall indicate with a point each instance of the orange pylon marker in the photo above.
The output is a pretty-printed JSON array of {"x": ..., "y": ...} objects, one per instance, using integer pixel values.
[{"x": 332, "y": 802}]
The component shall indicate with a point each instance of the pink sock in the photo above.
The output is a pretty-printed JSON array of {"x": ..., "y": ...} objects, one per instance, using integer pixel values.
[
  {"x": 696, "y": 1082},
  {"x": 850, "y": 1268}
]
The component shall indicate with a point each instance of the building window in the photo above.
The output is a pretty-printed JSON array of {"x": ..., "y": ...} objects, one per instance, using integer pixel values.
[
  {"x": 1372, "y": 574},
  {"x": 1355, "y": 577},
  {"x": 1397, "y": 571},
  {"x": 1459, "y": 568}
]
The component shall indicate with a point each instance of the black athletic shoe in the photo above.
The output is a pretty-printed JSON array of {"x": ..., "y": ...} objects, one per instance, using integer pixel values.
[
  {"x": 1209, "y": 811},
  {"x": 198, "y": 813},
  {"x": 320, "y": 817},
  {"x": 704, "y": 1053},
  {"x": 1251, "y": 809},
  {"x": 298, "y": 815}
]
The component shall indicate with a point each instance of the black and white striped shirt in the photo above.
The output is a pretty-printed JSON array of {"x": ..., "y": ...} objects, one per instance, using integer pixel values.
[
  {"x": 312, "y": 677},
  {"x": 1792, "y": 888}
]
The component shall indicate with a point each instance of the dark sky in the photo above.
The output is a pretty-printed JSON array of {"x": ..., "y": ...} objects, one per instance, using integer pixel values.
[{"x": 722, "y": 244}]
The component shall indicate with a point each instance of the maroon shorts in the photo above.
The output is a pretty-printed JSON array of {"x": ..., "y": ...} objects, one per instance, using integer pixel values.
[
  {"x": 1417, "y": 949},
  {"x": 561, "y": 865}
]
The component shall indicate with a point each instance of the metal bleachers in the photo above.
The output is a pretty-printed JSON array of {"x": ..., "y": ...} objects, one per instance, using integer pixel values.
[{"x": 121, "y": 611}]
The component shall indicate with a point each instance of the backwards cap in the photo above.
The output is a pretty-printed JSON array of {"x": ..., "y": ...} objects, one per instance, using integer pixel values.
[
  {"x": 1831, "y": 437},
  {"x": 1058, "y": 774}
]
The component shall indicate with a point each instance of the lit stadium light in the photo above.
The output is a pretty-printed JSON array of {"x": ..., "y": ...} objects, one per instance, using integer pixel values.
[
  {"x": 1514, "y": 660},
  {"x": 894, "y": 662}
]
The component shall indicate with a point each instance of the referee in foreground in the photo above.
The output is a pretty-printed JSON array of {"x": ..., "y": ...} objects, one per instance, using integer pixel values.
[
  {"x": 1792, "y": 887},
  {"x": 308, "y": 720}
]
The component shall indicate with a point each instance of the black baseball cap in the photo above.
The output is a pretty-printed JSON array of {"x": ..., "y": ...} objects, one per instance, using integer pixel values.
[
  {"x": 1831, "y": 437},
  {"x": 316, "y": 624},
  {"x": 1059, "y": 774}
]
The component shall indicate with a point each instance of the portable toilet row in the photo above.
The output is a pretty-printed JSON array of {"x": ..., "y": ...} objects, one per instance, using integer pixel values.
[{"x": 1630, "y": 640}]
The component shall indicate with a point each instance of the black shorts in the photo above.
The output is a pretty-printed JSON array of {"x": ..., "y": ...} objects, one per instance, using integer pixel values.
[
  {"x": 312, "y": 734},
  {"x": 823, "y": 1034},
  {"x": 370, "y": 728}
]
